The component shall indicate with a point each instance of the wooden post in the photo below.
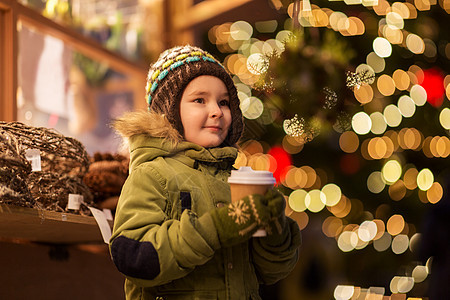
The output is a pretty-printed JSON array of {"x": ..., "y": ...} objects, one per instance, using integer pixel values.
[{"x": 8, "y": 61}]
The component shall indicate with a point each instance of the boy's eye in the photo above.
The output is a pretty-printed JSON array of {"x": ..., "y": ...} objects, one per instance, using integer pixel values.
[
  {"x": 199, "y": 100},
  {"x": 224, "y": 103}
]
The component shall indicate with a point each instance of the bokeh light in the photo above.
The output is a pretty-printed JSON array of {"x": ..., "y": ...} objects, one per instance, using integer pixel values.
[
  {"x": 444, "y": 118},
  {"x": 378, "y": 123},
  {"x": 425, "y": 179},
  {"x": 400, "y": 243},
  {"x": 347, "y": 241},
  {"x": 406, "y": 106},
  {"x": 376, "y": 182},
  {"x": 241, "y": 30},
  {"x": 383, "y": 243},
  {"x": 367, "y": 231},
  {"x": 297, "y": 200},
  {"x": 343, "y": 292},
  {"x": 349, "y": 141},
  {"x": 419, "y": 273},
  {"x": 252, "y": 108},
  {"x": 315, "y": 200},
  {"x": 382, "y": 47},
  {"x": 395, "y": 224},
  {"x": 377, "y": 63},
  {"x": 392, "y": 115},
  {"x": 415, "y": 43},
  {"x": 435, "y": 193},
  {"x": 410, "y": 178},
  {"x": 391, "y": 171},
  {"x": 361, "y": 123},
  {"x": 332, "y": 194}
]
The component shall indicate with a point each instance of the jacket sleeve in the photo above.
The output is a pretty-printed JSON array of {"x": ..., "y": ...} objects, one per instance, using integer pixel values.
[
  {"x": 274, "y": 261},
  {"x": 146, "y": 245}
]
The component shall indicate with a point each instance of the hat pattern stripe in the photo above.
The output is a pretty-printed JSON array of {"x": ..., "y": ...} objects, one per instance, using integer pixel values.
[{"x": 159, "y": 74}]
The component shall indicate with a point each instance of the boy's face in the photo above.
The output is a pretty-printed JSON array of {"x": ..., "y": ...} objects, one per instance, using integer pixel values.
[{"x": 205, "y": 111}]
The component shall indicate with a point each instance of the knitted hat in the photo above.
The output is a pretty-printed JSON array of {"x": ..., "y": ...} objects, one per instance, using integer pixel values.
[{"x": 171, "y": 73}]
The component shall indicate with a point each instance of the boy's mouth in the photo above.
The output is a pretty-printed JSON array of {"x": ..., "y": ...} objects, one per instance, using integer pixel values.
[{"x": 213, "y": 128}]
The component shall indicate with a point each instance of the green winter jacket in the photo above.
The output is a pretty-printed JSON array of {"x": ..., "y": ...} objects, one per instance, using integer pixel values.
[{"x": 164, "y": 240}]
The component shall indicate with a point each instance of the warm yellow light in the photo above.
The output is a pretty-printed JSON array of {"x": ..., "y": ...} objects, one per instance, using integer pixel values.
[
  {"x": 380, "y": 228},
  {"x": 377, "y": 148},
  {"x": 419, "y": 274},
  {"x": 406, "y": 106},
  {"x": 393, "y": 35},
  {"x": 337, "y": 20},
  {"x": 332, "y": 194},
  {"x": 394, "y": 20},
  {"x": 415, "y": 43},
  {"x": 354, "y": 26},
  {"x": 252, "y": 108},
  {"x": 386, "y": 85},
  {"x": 423, "y": 4},
  {"x": 256, "y": 63},
  {"x": 297, "y": 200},
  {"x": 241, "y": 30},
  {"x": 391, "y": 171},
  {"x": 361, "y": 123},
  {"x": 332, "y": 226},
  {"x": 342, "y": 208},
  {"x": 401, "y": 9},
  {"x": 392, "y": 115},
  {"x": 241, "y": 160},
  {"x": 401, "y": 79},
  {"x": 443, "y": 147},
  {"x": 343, "y": 292},
  {"x": 367, "y": 231},
  {"x": 378, "y": 123},
  {"x": 400, "y": 244},
  {"x": 284, "y": 35},
  {"x": 444, "y": 118},
  {"x": 349, "y": 142},
  {"x": 315, "y": 200},
  {"x": 347, "y": 241},
  {"x": 364, "y": 94},
  {"x": 382, "y": 47},
  {"x": 395, "y": 224},
  {"x": 425, "y": 179},
  {"x": 376, "y": 182},
  {"x": 410, "y": 178},
  {"x": 398, "y": 190},
  {"x": 292, "y": 145},
  {"x": 382, "y": 8},
  {"x": 377, "y": 63},
  {"x": 418, "y": 94},
  {"x": 435, "y": 193},
  {"x": 383, "y": 243},
  {"x": 301, "y": 177}
]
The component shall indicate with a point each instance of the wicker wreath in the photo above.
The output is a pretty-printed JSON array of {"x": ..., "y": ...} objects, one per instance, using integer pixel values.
[
  {"x": 14, "y": 170},
  {"x": 64, "y": 162}
]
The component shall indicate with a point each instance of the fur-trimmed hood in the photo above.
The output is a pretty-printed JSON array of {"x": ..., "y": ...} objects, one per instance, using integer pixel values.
[{"x": 149, "y": 123}]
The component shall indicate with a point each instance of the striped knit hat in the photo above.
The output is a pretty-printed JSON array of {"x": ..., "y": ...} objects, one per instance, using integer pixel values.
[{"x": 171, "y": 73}]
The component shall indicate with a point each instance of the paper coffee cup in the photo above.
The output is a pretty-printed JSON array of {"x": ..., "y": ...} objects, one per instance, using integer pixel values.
[{"x": 246, "y": 181}]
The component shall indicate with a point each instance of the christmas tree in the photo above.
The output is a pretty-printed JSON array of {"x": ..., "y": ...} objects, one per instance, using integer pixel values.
[{"x": 348, "y": 104}]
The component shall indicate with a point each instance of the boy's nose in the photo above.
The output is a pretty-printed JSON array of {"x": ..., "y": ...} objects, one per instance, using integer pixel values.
[{"x": 216, "y": 111}]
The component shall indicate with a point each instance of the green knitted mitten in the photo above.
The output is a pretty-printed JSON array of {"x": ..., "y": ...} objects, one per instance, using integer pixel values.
[{"x": 236, "y": 222}]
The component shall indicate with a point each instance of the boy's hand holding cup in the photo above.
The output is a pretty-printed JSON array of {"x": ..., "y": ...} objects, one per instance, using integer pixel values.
[{"x": 245, "y": 182}]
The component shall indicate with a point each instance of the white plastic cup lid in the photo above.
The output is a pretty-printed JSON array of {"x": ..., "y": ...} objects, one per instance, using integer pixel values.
[{"x": 246, "y": 175}]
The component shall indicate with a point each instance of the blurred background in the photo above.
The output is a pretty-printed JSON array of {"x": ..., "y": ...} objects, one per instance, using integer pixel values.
[{"x": 347, "y": 102}]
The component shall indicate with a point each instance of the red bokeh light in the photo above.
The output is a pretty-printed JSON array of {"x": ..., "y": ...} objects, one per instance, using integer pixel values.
[
  {"x": 433, "y": 83},
  {"x": 283, "y": 159}
]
